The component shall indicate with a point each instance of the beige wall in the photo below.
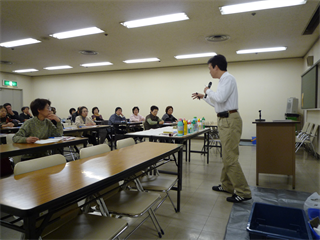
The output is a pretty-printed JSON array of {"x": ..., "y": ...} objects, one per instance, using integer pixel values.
[
  {"x": 315, "y": 52},
  {"x": 264, "y": 85},
  {"x": 24, "y": 83}
]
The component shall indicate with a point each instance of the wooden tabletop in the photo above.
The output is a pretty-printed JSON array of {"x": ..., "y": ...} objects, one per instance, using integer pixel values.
[
  {"x": 15, "y": 149},
  {"x": 36, "y": 190}
]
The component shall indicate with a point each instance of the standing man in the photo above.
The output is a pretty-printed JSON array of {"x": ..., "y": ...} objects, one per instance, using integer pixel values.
[{"x": 225, "y": 102}]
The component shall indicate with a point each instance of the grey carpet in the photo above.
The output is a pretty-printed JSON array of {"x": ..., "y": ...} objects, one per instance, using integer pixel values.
[{"x": 238, "y": 219}]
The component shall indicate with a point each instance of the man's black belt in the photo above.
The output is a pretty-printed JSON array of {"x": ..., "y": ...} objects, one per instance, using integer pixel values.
[{"x": 226, "y": 113}]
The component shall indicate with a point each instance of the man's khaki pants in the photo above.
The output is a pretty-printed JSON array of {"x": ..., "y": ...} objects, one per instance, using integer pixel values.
[{"x": 232, "y": 177}]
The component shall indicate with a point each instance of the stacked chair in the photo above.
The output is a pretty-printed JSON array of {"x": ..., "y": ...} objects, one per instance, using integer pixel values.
[{"x": 306, "y": 136}]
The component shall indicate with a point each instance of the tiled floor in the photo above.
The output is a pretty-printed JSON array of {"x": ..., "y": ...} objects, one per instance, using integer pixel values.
[{"x": 204, "y": 213}]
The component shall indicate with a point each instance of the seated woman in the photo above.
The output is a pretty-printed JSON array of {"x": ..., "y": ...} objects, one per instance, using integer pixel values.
[
  {"x": 25, "y": 115},
  {"x": 168, "y": 117},
  {"x": 5, "y": 121},
  {"x": 96, "y": 115},
  {"x": 39, "y": 127},
  {"x": 117, "y": 119},
  {"x": 84, "y": 120},
  {"x": 136, "y": 117},
  {"x": 152, "y": 120}
]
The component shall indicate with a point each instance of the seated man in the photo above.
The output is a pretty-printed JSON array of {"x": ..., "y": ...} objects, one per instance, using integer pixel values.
[
  {"x": 39, "y": 127},
  {"x": 152, "y": 120},
  {"x": 25, "y": 115},
  {"x": 75, "y": 114},
  {"x": 116, "y": 119},
  {"x": 12, "y": 114},
  {"x": 71, "y": 111},
  {"x": 5, "y": 121}
]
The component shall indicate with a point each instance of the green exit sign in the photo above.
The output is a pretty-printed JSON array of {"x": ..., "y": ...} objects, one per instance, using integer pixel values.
[{"x": 10, "y": 83}]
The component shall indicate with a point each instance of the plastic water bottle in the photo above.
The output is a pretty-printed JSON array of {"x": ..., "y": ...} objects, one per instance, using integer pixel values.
[
  {"x": 191, "y": 127},
  {"x": 180, "y": 128},
  {"x": 203, "y": 123},
  {"x": 195, "y": 125}
]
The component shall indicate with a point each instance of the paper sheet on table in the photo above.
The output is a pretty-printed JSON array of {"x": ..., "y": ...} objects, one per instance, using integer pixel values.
[{"x": 50, "y": 140}]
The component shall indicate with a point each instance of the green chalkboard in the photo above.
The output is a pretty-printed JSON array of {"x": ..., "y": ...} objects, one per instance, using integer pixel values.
[{"x": 309, "y": 89}]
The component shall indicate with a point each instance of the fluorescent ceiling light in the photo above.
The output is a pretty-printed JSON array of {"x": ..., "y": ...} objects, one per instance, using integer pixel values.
[
  {"x": 26, "y": 70},
  {"x": 198, "y": 55},
  {"x": 96, "y": 64},
  {"x": 259, "y": 5},
  {"x": 142, "y": 60},
  {"x": 58, "y": 67},
  {"x": 77, "y": 33},
  {"x": 20, "y": 42},
  {"x": 156, "y": 20},
  {"x": 259, "y": 50}
]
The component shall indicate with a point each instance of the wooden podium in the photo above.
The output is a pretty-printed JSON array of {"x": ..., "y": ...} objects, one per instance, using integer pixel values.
[{"x": 276, "y": 148}]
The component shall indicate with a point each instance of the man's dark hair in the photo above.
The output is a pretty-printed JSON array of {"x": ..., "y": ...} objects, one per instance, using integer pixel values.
[
  {"x": 94, "y": 109},
  {"x": 81, "y": 109},
  {"x": 117, "y": 108},
  {"x": 134, "y": 108},
  {"x": 6, "y": 104},
  {"x": 220, "y": 61},
  {"x": 167, "y": 108},
  {"x": 23, "y": 108},
  {"x": 71, "y": 109},
  {"x": 153, "y": 107},
  {"x": 38, "y": 104}
]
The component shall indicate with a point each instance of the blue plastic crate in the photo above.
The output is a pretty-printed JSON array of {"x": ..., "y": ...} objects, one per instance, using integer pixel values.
[
  {"x": 276, "y": 222},
  {"x": 312, "y": 213}
]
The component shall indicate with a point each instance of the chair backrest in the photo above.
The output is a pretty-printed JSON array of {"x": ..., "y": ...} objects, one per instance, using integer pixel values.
[
  {"x": 309, "y": 128},
  {"x": 9, "y": 138},
  {"x": 38, "y": 163},
  {"x": 15, "y": 159},
  {"x": 314, "y": 132},
  {"x": 305, "y": 127},
  {"x": 125, "y": 142},
  {"x": 94, "y": 150},
  {"x": 105, "y": 122}
]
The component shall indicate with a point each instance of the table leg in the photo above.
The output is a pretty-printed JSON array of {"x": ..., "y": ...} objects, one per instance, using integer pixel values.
[
  {"x": 207, "y": 137},
  {"x": 189, "y": 149},
  {"x": 293, "y": 180},
  {"x": 186, "y": 144},
  {"x": 179, "y": 179},
  {"x": 29, "y": 225}
]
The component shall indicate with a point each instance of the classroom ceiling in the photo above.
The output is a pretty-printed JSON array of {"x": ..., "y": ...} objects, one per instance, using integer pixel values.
[{"x": 38, "y": 19}]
